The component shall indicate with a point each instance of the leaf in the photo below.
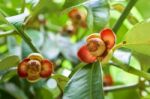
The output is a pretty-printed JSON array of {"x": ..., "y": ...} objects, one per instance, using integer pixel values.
[
  {"x": 126, "y": 94},
  {"x": 50, "y": 48},
  {"x": 86, "y": 83},
  {"x": 138, "y": 38},
  {"x": 122, "y": 55},
  {"x": 98, "y": 14},
  {"x": 43, "y": 93},
  {"x": 71, "y": 3},
  {"x": 13, "y": 90},
  {"x": 17, "y": 20},
  {"x": 61, "y": 80},
  {"x": 13, "y": 47},
  {"x": 37, "y": 39},
  {"x": 79, "y": 66},
  {"x": 8, "y": 62},
  {"x": 143, "y": 8},
  {"x": 8, "y": 75},
  {"x": 143, "y": 60}
]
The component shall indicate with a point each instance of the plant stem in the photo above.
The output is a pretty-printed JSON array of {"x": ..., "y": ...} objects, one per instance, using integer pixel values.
[
  {"x": 120, "y": 87},
  {"x": 23, "y": 6},
  {"x": 129, "y": 69},
  {"x": 7, "y": 33},
  {"x": 123, "y": 15},
  {"x": 28, "y": 41},
  {"x": 21, "y": 32}
]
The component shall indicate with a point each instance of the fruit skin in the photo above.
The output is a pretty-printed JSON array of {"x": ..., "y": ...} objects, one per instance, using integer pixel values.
[
  {"x": 47, "y": 68},
  {"x": 85, "y": 56},
  {"x": 35, "y": 67},
  {"x": 22, "y": 69},
  {"x": 108, "y": 36},
  {"x": 107, "y": 80},
  {"x": 98, "y": 45}
]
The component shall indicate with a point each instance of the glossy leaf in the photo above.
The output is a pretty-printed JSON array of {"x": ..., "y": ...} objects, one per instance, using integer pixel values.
[
  {"x": 50, "y": 48},
  {"x": 123, "y": 55},
  {"x": 37, "y": 39},
  {"x": 8, "y": 75},
  {"x": 8, "y": 62},
  {"x": 143, "y": 8},
  {"x": 127, "y": 93},
  {"x": 98, "y": 14},
  {"x": 143, "y": 60},
  {"x": 71, "y": 3},
  {"x": 13, "y": 90},
  {"x": 85, "y": 84},
  {"x": 138, "y": 38},
  {"x": 13, "y": 46},
  {"x": 43, "y": 93}
]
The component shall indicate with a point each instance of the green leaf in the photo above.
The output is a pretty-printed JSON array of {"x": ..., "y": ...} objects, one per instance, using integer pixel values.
[
  {"x": 8, "y": 75},
  {"x": 143, "y": 60},
  {"x": 86, "y": 83},
  {"x": 13, "y": 46},
  {"x": 71, "y": 3},
  {"x": 123, "y": 55},
  {"x": 61, "y": 80},
  {"x": 126, "y": 94},
  {"x": 79, "y": 66},
  {"x": 98, "y": 14},
  {"x": 8, "y": 62},
  {"x": 143, "y": 7},
  {"x": 13, "y": 90},
  {"x": 43, "y": 93},
  {"x": 17, "y": 20},
  {"x": 138, "y": 38}
]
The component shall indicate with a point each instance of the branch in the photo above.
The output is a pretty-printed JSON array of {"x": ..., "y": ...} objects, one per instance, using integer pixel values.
[
  {"x": 7, "y": 33},
  {"x": 129, "y": 68},
  {"x": 120, "y": 87},
  {"x": 123, "y": 15}
]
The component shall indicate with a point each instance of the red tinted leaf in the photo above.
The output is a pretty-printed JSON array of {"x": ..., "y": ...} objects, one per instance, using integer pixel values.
[
  {"x": 85, "y": 56},
  {"x": 108, "y": 37}
]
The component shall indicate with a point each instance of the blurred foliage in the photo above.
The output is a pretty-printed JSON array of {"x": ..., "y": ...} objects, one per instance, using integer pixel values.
[{"x": 42, "y": 23}]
